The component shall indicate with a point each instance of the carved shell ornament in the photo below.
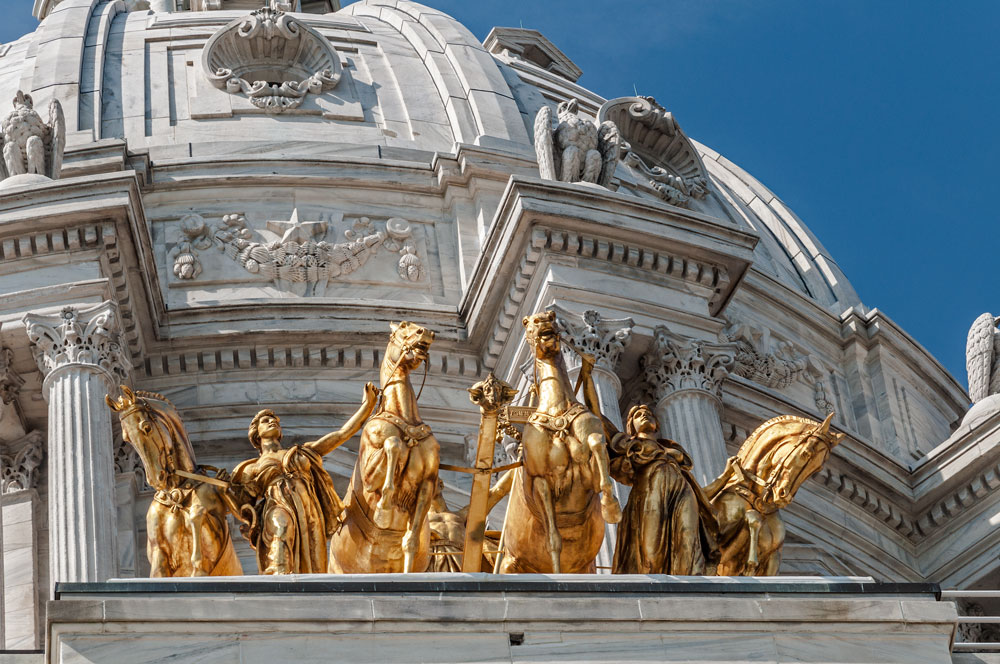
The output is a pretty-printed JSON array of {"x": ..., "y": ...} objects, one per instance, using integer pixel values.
[
  {"x": 657, "y": 150},
  {"x": 272, "y": 58}
]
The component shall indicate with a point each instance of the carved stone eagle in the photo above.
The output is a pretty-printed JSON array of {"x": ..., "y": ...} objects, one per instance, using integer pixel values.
[
  {"x": 30, "y": 145},
  {"x": 574, "y": 149},
  {"x": 982, "y": 358}
]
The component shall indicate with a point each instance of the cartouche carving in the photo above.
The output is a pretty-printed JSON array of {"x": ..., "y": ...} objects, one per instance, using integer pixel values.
[
  {"x": 563, "y": 494},
  {"x": 761, "y": 479},
  {"x": 187, "y": 533},
  {"x": 663, "y": 159},
  {"x": 761, "y": 358},
  {"x": 272, "y": 58},
  {"x": 574, "y": 149},
  {"x": 285, "y": 496},
  {"x": 385, "y": 525},
  {"x": 31, "y": 145}
]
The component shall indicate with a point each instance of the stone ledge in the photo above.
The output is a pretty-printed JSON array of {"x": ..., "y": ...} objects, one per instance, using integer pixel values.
[{"x": 390, "y": 618}]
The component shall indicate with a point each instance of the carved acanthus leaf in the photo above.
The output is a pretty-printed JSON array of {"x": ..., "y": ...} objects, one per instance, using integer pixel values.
[
  {"x": 18, "y": 469},
  {"x": 10, "y": 381},
  {"x": 602, "y": 338},
  {"x": 763, "y": 359},
  {"x": 88, "y": 336},
  {"x": 676, "y": 362}
]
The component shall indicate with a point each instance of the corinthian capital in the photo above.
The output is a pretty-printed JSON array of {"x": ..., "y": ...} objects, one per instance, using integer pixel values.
[
  {"x": 89, "y": 337},
  {"x": 604, "y": 338},
  {"x": 676, "y": 362}
]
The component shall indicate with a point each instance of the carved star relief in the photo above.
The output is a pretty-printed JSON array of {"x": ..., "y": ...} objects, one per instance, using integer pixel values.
[{"x": 295, "y": 230}]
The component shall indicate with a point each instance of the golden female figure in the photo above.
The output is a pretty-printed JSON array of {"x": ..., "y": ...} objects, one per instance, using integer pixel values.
[
  {"x": 668, "y": 526},
  {"x": 288, "y": 503}
]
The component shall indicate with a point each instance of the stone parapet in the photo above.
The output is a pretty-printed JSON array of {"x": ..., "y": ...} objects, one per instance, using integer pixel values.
[{"x": 511, "y": 618}]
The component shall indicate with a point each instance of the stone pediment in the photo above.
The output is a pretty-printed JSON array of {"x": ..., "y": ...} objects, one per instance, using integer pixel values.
[{"x": 532, "y": 46}]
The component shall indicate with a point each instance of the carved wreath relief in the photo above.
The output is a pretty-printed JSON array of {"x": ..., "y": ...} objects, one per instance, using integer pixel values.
[
  {"x": 301, "y": 259},
  {"x": 272, "y": 58}
]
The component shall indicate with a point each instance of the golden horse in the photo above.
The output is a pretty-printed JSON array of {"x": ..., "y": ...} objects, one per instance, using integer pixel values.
[
  {"x": 384, "y": 525},
  {"x": 563, "y": 494},
  {"x": 186, "y": 529},
  {"x": 761, "y": 479}
]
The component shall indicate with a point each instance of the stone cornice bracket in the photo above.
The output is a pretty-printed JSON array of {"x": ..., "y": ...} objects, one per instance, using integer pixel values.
[
  {"x": 677, "y": 363},
  {"x": 10, "y": 381},
  {"x": 272, "y": 58},
  {"x": 17, "y": 470},
  {"x": 589, "y": 332},
  {"x": 87, "y": 338}
]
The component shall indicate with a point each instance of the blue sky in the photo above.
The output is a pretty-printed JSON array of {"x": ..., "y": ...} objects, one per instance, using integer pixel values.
[{"x": 873, "y": 120}]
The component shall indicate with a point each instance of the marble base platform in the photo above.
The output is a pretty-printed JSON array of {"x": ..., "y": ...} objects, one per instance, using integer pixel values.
[{"x": 485, "y": 618}]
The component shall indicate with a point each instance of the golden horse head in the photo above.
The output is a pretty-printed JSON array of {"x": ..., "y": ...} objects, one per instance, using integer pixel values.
[
  {"x": 783, "y": 453},
  {"x": 542, "y": 332},
  {"x": 409, "y": 344},
  {"x": 151, "y": 425}
]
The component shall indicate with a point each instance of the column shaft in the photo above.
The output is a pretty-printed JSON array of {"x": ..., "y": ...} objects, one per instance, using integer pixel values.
[
  {"x": 82, "y": 517},
  {"x": 691, "y": 417}
]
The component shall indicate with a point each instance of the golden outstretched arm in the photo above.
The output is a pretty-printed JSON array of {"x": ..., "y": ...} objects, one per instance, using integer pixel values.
[{"x": 335, "y": 439}]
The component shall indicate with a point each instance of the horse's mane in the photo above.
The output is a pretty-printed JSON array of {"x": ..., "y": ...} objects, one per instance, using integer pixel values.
[
  {"x": 769, "y": 435},
  {"x": 171, "y": 418}
]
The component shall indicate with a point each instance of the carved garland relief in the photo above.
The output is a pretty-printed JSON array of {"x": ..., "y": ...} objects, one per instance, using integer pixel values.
[{"x": 300, "y": 257}]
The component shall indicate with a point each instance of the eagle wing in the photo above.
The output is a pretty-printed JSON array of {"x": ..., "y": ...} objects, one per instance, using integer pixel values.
[
  {"x": 57, "y": 139},
  {"x": 979, "y": 356},
  {"x": 544, "y": 148},
  {"x": 609, "y": 143}
]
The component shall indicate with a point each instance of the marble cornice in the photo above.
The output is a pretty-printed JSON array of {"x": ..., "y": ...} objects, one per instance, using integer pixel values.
[
  {"x": 537, "y": 216},
  {"x": 102, "y": 212},
  {"x": 873, "y": 328}
]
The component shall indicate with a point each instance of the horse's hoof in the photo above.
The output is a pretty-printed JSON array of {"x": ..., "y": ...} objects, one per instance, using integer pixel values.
[
  {"x": 611, "y": 510},
  {"x": 382, "y": 517}
]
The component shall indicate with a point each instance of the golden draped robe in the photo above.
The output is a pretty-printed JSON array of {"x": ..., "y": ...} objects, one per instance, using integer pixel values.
[
  {"x": 298, "y": 485},
  {"x": 667, "y": 526}
]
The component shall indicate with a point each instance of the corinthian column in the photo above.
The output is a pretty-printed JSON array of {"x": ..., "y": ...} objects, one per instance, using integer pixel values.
[
  {"x": 83, "y": 357},
  {"x": 605, "y": 339},
  {"x": 686, "y": 378}
]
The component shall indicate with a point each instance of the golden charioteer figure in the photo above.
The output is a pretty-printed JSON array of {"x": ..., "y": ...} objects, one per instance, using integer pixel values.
[
  {"x": 668, "y": 526},
  {"x": 285, "y": 496}
]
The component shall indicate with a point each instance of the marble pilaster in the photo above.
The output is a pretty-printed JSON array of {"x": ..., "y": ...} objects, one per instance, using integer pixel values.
[
  {"x": 685, "y": 376},
  {"x": 83, "y": 357},
  {"x": 19, "y": 526},
  {"x": 605, "y": 339}
]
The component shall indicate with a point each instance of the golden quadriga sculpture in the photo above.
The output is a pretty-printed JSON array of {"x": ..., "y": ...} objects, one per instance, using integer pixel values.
[
  {"x": 668, "y": 526},
  {"x": 186, "y": 528},
  {"x": 761, "y": 479},
  {"x": 384, "y": 526},
  {"x": 285, "y": 496},
  {"x": 563, "y": 493}
]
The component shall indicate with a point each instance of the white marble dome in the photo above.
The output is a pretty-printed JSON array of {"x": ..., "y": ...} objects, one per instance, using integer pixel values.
[{"x": 257, "y": 212}]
